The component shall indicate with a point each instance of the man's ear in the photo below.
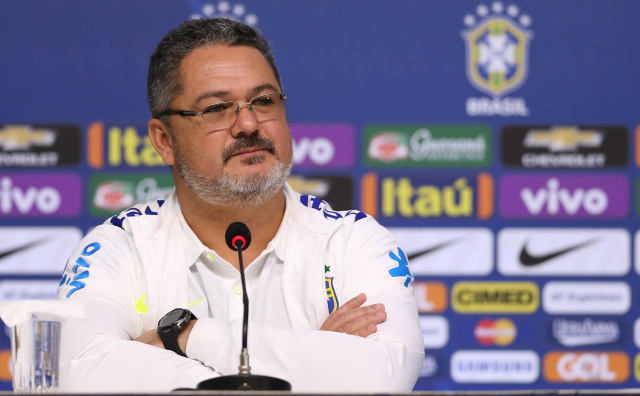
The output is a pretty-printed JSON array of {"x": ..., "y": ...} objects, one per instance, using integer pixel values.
[{"x": 161, "y": 139}]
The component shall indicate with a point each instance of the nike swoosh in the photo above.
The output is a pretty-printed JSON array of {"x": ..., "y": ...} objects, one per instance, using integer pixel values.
[
  {"x": 140, "y": 305},
  {"x": 19, "y": 249},
  {"x": 431, "y": 249},
  {"x": 196, "y": 302},
  {"x": 529, "y": 261}
]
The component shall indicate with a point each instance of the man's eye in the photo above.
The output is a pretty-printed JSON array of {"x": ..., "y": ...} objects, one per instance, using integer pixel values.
[
  {"x": 263, "y": 102},
  {"x": 216, "y": 108}
]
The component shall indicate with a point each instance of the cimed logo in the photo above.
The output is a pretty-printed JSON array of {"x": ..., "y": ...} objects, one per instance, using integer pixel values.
[
  {"x": 224, "y": 9},
  {"x": 497, "y": 51}
]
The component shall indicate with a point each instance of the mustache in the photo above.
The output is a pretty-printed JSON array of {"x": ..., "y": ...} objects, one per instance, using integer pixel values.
[{"x": 249, "y": 141}]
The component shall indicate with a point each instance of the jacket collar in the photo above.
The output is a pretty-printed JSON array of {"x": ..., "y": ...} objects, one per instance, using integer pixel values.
[{"x": 194, "y": 248}]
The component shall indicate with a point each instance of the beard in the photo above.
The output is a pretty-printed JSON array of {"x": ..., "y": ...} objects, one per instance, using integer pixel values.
[{"x": 238, "y": 191}]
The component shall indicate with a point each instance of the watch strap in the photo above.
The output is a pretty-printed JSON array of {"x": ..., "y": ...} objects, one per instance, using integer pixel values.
[
  {"x": 169, "y": 334},
  {"x": 170, "y": 340}
]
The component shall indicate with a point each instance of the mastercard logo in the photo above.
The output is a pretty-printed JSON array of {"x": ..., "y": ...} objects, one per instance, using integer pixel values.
[{"x": 499, "y": 332}]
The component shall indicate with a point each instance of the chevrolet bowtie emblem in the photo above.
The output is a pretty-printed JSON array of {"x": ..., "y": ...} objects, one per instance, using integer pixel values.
[
  {"x": 22, "y": 137},
  {"x": 563, "y": 138}
]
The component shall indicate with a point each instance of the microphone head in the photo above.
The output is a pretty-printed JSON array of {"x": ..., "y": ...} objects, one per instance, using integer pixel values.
[{"x": 238, "y": 233}]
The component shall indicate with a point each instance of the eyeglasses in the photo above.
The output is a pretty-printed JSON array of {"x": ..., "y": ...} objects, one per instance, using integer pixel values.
[{"x": 224, "y": 114}]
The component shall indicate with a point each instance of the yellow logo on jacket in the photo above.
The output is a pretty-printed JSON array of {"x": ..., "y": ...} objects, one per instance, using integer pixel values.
[{"x": 332, "y": 299}]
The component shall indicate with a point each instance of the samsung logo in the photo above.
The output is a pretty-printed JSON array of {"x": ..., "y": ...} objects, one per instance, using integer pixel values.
[{"x": 495, "y": 366}]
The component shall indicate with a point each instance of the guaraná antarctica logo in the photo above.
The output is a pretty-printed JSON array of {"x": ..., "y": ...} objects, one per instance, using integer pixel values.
[
  {"x": 223, "y": 9},
  {"x": 497, "y": 53}
]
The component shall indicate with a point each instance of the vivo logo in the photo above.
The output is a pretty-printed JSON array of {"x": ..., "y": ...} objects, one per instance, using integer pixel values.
[
  {"x": 51, "y": 194},
  {"x": 46, "y": 199},
  {"x": 594, "y": 200},
  {"x": 568, "y": 196},
  {"x": 323, "y": 145},
  {"x": 319, "y": 150}
]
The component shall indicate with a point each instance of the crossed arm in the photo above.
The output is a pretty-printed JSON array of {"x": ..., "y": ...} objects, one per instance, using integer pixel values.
[
  {"x": 382, "y": 353},
  {"x": 351, "y": 318}
]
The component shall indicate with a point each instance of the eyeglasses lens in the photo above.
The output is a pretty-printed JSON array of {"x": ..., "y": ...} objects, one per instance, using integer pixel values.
[{"x": 223, "y": 115}]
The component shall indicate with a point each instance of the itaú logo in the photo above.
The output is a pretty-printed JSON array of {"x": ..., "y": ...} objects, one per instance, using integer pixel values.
[
  {"x": 586, "y": 367},
  {"x": 427, "y": 197}
]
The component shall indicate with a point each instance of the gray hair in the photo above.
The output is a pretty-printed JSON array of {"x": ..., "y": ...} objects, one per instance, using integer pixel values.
[{"x": 164, "y": 82}]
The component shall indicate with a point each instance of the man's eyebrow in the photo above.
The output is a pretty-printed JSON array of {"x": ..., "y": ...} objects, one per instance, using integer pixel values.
[
  {"x": 264, "y": 87},
  {"x": 223, "y": 95}
]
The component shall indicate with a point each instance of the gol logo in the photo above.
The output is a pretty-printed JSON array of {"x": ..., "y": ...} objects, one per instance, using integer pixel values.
[
  {"x": 5, "y": 365},
  {"x": 431, "y": 297},
  {"x": 586, "y": 367},
  {"x": 500, "y": 332},
  {"x": 495, "y": 297}
]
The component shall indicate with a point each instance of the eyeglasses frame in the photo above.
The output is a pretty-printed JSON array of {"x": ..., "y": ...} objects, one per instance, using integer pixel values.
[{"x": 189, "y": 113}]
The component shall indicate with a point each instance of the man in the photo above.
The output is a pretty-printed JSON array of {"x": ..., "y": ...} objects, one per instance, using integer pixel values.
[{"x": 332, "y": 305}]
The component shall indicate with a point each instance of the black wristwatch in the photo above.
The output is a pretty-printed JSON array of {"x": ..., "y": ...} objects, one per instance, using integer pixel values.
[{"x": 170, "y": 325}]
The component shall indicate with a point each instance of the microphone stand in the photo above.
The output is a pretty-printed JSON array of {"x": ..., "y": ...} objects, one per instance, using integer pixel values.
[
  {"x": 244, "y": 367},
  {"x": 244, "y": 380}
]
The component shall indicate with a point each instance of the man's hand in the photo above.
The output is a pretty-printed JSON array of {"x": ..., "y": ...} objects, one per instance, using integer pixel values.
[
  {"x": 152, "y": 338},
  {"x": 352, "y": 318}
]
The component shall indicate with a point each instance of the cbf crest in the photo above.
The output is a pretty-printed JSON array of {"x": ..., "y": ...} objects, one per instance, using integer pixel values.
[
  {"x": 497, "y": 48},
  {"x": 223, "y": 9},
  {"x": 332, "y": 299},
  {"x": 497, "y": 53}
]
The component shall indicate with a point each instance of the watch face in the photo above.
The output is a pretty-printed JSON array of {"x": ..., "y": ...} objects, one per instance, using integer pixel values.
[{"x": 172, "y": 317}]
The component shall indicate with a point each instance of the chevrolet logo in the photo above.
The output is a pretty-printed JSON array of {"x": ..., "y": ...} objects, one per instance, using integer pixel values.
[
  {"x": 563, "y": 138},
  {"x": 22, "y": 137},
  {"x": 302, "y": 185}
]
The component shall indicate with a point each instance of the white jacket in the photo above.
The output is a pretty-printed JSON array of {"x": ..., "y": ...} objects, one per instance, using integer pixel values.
[{"x": 138, "y": 253}]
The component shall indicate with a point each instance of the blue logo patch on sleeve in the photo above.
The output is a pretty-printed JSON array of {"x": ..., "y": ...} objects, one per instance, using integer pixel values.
[
  {"x": 403, "y": 266},
  {"x": 81, "y": 263}
]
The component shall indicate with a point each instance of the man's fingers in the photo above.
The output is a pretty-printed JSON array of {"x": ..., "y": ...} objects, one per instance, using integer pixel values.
[
  {"x": 355, "y": 320},
  {"x": 366, "y": 332},
  {"x": 364, "y": 325},
  {"x": 341, "y": 317},
  {"x": 355, "y": 302},
  {"x": 338, "y": 317}
]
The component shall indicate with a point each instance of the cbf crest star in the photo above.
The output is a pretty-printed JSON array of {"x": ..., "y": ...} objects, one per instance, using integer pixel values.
[
  {"x": 497, "y": 49},
  {"x": 403, "y": 266}
]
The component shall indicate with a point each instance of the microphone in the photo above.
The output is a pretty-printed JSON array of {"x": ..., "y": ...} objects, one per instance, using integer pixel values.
[{"x": 238, "y": 238}]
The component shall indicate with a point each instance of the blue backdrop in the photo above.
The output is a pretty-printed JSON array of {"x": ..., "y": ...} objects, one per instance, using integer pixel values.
[{"x": 501, "y": 134}]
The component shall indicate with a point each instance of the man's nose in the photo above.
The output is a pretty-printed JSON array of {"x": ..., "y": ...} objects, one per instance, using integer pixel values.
[{"x": 246, "y": 121}]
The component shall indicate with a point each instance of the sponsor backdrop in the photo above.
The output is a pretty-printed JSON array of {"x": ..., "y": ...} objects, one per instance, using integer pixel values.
[{"x": 497, "y": 139}]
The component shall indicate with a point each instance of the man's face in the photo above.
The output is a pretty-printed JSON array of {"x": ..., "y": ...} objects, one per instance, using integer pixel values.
[{"x": 246, "y": 163}]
